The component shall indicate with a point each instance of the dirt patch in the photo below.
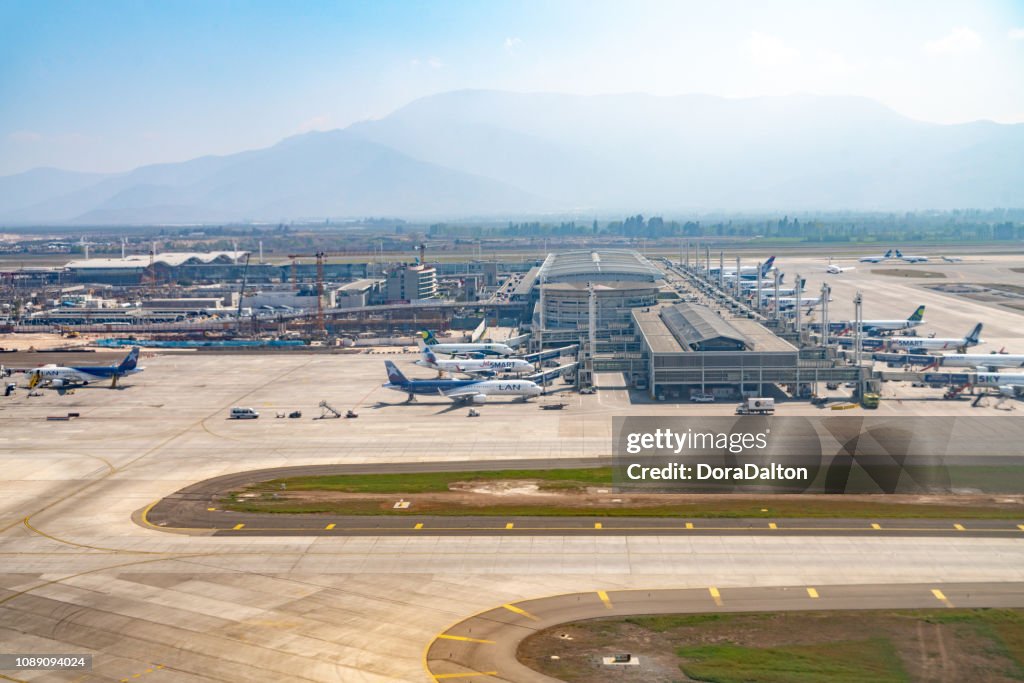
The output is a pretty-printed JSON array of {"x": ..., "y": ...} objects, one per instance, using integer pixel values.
[
  {"x": 914, "y": 645},
  {"x": 909, "y": 272}
]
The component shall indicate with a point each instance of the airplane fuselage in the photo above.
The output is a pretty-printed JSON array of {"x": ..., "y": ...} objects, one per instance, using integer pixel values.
[{"x": 472, "y": 348}]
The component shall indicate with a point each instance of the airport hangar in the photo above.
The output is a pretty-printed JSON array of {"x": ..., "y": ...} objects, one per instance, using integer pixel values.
[{"x": 665, "y": 344}]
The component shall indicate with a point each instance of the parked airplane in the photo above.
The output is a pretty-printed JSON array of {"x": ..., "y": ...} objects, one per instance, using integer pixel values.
[
  {"x": 835, "y": 269},
  {"x": 61, "y": 377},
  {"x": 983, "y": 361},
  {"x": 460, "y": 390},
  {"x": 875, "y": 327},
  {"x": 911, "y": 259},
  {"x": 952, "y": 259},
  {"x": 476, "y": 367},
  {"x": 876, "y": 259},
  {"x": 937, "y": 343},
  {"x": 746, "y": 272},
  {"x": 786, "y": 302},
  {"x": 472, "y": 349}
]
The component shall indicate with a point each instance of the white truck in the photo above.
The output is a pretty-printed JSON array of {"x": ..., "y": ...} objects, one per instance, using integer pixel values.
[{"x": 757, "y": 406}]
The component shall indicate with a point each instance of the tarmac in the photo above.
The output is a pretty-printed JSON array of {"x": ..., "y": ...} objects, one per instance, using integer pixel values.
[{"x": 78, "y": 574}]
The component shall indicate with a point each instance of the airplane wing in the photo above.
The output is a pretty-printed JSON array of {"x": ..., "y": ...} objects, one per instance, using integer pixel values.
[
  {"x": 461, "y": 395},
  {"x": 553, "y": 373}
]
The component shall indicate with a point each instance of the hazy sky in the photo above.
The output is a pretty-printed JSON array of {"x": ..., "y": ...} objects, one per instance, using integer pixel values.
[{"x": 106, "y": 86}]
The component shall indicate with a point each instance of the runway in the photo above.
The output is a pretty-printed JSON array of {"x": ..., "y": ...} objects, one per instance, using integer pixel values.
[
  {"x": 195, "y": 510},
  {"x": 483, "y": 647}
]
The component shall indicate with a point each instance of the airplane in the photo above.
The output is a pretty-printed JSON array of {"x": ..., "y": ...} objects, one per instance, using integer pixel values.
[
  {"x": 833, "y": 269},
  {"x": 952, "y": 259},
  {"x": 874, "y": 327},
  {"x": 911, "y": 259},
  {"x": 474, "y": 349},
  {"x": 461, "y": 391},
  {"x": 938, "y": 343},
  {"x": 786, "y": 302},
  {"x": 60, "y": 377},
  {"x": 985, "y": 361},
  {"x": 876, "y": 259},
  {"x": 746, "y": 272},
  {"x": 475, "y": 367}
]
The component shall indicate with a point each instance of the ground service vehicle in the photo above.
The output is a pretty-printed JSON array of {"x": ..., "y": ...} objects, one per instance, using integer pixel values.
[
  {"x": 238, "y": 413},
  {"x": 757, "y": 406}
]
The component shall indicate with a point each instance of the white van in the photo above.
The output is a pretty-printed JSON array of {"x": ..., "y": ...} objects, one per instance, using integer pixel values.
[{"x": 243, "y": 414}]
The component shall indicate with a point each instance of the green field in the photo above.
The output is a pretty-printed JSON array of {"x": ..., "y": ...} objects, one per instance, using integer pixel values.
[
  {"x": 432, "y": 494},
  {"x": 801, "y": 647}
]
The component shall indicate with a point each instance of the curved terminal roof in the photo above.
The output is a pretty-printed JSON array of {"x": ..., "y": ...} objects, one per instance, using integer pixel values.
[
  {"x": 168, "y": 258},
  {"x": 694, "y": 325},
  {"x": 597, "y": 266}
]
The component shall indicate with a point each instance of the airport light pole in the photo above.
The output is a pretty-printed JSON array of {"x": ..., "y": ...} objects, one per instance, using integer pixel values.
[
  {"x": 736, "y": 280},
  {"x": 758, "y": 287},
  {"x": 775, "y": 301},
  {"x": 799, "y": 330},
  {"x": 826, "y": 291},
  {"x": 721, "y": 270},
  {"x": 858, "y": 331}
]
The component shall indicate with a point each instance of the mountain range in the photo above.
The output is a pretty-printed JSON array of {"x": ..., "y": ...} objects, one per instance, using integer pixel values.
[{"x": 489, "y": 153}]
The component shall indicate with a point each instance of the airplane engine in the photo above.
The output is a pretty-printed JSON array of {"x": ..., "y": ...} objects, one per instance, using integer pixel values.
[
  {"x": 1010, "y": 390},
  {"x": 480, "y": 398},
  {"x": 56, "y": 383}
]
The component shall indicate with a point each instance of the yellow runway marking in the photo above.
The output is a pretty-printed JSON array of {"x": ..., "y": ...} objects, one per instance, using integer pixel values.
[
  {"x": 773, "y": 525},
  {"x": 941, "y": 597},
  {"x": 597, "y": 525},
  {"x": 1021, "y": 527},
  {"x": 419, "y": 525},
  {"x": 211, "y": 509},
  {"x": 509, "y": 525},
  {"x": 329, "y": 526},
  {"x": 958, "y": 527},
  {"x": 812, "y": 592},
  {"x": 689, "y": 525},
  {"x": 438, "y": 677},
  {"x": 605, "y": 599},
  {"x": 237, "y": 527},
  {"x": 715, "y": 595},
  {"x": 466, "y": 639},
  {"x": 520, "y": 611},
  {"x": 876, "y": 526}
]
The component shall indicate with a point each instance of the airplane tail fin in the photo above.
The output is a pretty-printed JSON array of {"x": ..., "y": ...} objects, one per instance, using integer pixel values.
[
  {"x": 130, "y": 361},
  {"x": 428, "y": 355},
  {"x": 888, "y": 254},
  {"x": 766, "y": 268},
  {"x": 918, "y": 314},
  {"x": 395, "y": 375},
  {"x": 899, "y": 254},
  {"x": 975, "y": 334},
  {"x": 428, "y": 337}
]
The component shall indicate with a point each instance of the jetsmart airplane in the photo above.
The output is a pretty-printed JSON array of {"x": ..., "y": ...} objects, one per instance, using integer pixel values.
[
  {"x": 61, "y": 377},
  {"x": 472, "y": 349},
  {"x": 460, "y": 390},
  {"x": 937, "y": 343},
  {"x": 476, "y": 367}
]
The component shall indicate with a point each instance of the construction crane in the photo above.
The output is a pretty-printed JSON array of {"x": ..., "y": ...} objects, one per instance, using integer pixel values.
[{"x": 321, "y": 257}]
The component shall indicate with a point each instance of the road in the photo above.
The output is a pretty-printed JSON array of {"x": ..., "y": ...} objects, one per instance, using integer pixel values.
[{"x": 483, "y": 647}]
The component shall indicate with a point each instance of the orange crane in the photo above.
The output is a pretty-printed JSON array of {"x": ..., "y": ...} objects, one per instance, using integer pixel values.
[{"x": 320, "y": 257}]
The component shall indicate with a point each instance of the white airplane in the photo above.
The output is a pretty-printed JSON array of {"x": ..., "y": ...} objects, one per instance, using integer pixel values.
[
  {"x": 952, "y": 259},
  {"x": 937, "y": 343},
  {"x": 62, "y": 377},
  {"x": 746, "y": 272},
  {"x": 983, "y": 361},
  {"x": 911, "y": 259},
  {"x": 874, "y": 327},
  {"x": 1010, "y": 385},
  {"x": 485, "y": 367},
  {"x": 785, "y": 302},
  {"x": 876, "y": 259},
  {"x": 460, "y": 390},
  {"x": 835, "y": 269},
  {"x": 471, "y": 349}
]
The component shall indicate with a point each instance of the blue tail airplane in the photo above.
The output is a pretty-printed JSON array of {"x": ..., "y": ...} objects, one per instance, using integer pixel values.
[{"x": 62, "y": 377}]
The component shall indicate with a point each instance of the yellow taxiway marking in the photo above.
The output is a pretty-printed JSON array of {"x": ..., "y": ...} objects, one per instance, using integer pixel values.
[
  {"x": 597, "y": 525},
  {"x": 237, "y": 527},
  {"x": 715, "y": 595},
  {"x": 689, "y": 525},
  {"x": 466, "y": 639},
  {"x": 876, "y": 526},
  {"x": 605, "y": 599},
  {"x": 773, "y": 525},
  {"x": 1021, "y": 527},
  {"x": 438, "y": 677},
  {"x": 211, "y": 509},
  {"x": 958, "y": 527},
  {"x": 419, "y": 525},
  {"x": 520, "y": 611},
  {"x": 509, "y": 525},
  {"x": 941, "y": 597},
  {"x": 330, "y": 526},
  {"x": 812, "y": 592}
]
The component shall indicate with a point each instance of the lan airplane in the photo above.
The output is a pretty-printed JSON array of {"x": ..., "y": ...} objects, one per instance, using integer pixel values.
[
  {"x": 474, "y": 349},
  {"x": 937, "y": 343},
  {"x": 460, "y": 390},
  {"x": 476, "y": 367},
  {"x": 60, "y": 377}
]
